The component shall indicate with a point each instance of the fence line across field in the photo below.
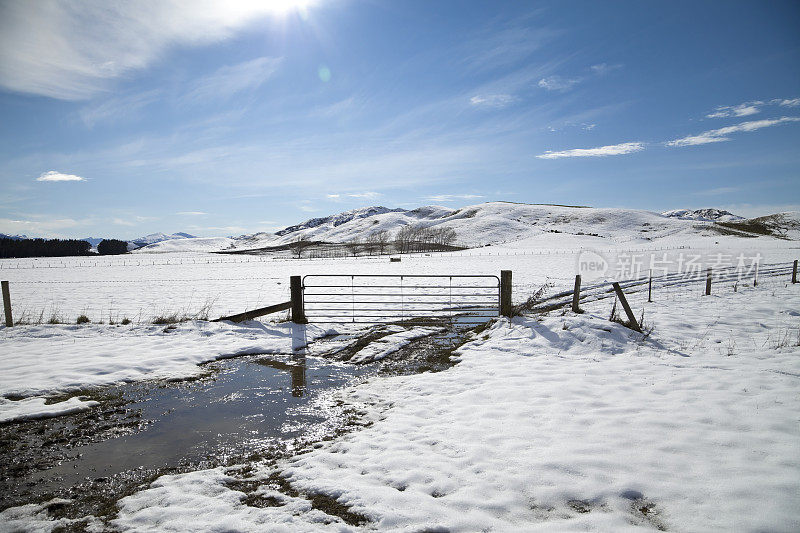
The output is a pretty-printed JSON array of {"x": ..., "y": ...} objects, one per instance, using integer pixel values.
[
  {"x": 382, "y": 298},
  {"x": 376, "y": 298}
]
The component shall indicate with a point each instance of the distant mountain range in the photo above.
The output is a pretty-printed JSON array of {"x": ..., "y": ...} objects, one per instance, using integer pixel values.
[
  {"x": 492, "y": 223},
  {"x": 14, "y": 237},
  {"x": 706, "y": 215}
]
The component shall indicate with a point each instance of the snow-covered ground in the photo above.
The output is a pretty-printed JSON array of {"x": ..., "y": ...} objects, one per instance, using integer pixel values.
[
  {"x": 38, "y": 361},
  {"x": 564, "y": 422},
  {"x": 141, "y": 287}
]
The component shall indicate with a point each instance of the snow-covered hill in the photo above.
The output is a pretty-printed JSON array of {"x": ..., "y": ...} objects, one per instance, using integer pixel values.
[
  {"x": 158, "y": 237},
  {"x": 705, "y": 215},
  {"x": 13, "y": 237},
  {"x": 339, "y": 219},
  {"x": 498, "y": 223},
  {"x": 504, "y": 223},
  {"x": 188, "y": 244}
]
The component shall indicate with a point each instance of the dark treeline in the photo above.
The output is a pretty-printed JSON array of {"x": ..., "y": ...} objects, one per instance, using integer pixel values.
[
  {"x": 43, "y": 248},
  {"x": 112, "y": 247}
]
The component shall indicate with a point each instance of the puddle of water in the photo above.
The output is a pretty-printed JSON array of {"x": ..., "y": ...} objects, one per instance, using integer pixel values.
[
  {"x": 248, "y": 406},
  {"x": 251, "y": 406}
]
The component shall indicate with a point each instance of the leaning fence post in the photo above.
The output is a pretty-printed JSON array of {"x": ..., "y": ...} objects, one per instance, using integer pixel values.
[
  {"x": 505, "y": 293},
  {"x": 576, "y": 295},
  {"x": 7, "y": 304},
  {"x": 624, "y": 301},
  {"x": 708, "y": 282},
  {"x": 298, "y": 311},
  {"x": 794, "y": 272}
]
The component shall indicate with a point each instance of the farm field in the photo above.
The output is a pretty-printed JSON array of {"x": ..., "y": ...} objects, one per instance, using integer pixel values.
[
  {"x": 141, "y": 287},
  {"x": 592, "y": 413},
  {"x": 554, "y": 421}
]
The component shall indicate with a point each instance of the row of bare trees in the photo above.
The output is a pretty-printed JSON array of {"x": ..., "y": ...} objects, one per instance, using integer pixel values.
[
  {"x": 417, "y": 238},
  {"x": 408, "y": 239}
]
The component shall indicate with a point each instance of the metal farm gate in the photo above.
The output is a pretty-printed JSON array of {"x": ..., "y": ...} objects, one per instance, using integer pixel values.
[{"x": 385, "y": 298}]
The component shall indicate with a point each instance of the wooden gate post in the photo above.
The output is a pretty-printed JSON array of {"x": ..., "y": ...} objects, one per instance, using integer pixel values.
[
  {"x": 576, "y": 295},
  {"x": 505, "y": 293},
  {"x": 794, "y": 272},
  {"x": 708, "y": 282},
  {"x": 624, "y": 301},
  {"x": 298, "y": 310},
  {"x": 7, "y": 304}
]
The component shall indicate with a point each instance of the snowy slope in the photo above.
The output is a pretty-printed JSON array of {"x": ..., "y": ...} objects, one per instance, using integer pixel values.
[
  {"x": 497, "y": 223},
  {"x": 194, "y": 244},
  {"x": 706, "y": 215},
  {"x": 158, "y": 237},
  {"x": 339, "y": 219}
]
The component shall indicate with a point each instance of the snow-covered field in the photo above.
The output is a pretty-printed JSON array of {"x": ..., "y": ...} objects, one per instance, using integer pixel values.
[
  {"x": 564, "y": 422},
  {"x": 141, "y": 287},
  {"x": 561, "y": 422}
]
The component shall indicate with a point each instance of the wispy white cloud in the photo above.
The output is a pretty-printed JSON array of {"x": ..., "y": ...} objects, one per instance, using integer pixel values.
[
  {"x": 604, "y": 68},
  {"x": 741, "y": 110},
  {"x": 498, "y": 101},
  {"x": 721, "y": 134},
  {"x": 232, "y": 79},
  {"x": 54, "y": 175},
  {"x": 40, "y": 226},
  {"x": 747, "y": 109},
  {"x": 557, "y": 83},
  {"x": 613, "y": 149},
  {"x": 451, "y": 197},
  {"x": 191, "y": 213},
  {"x": 787, "y": 102},
  {"x": 507, "y": 46},
  {"x": 71, "y": 51},
  {"x": 117, "y": 107},
  {"x": 366, "y": 195}
]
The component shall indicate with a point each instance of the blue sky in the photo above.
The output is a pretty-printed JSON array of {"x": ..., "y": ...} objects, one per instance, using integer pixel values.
[{"x": 234, "y": 117}]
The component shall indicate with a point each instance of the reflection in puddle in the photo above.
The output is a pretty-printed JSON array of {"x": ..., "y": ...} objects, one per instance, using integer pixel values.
[
  {"x": 250, "y": 407},
  {"x": 297, "y": 368}
]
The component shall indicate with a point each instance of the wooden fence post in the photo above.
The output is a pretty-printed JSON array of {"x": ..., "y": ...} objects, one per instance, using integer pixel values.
[
  {"x": 632, "y": 323},
  {"x": 755, "y": 277},
  {"x": 576, "y": 295},
  {"x": 794, "y": 272},
  {"x": 708, "y": 282},
  {"x": 650, "y": 288},
  {"x": 7, "y": 304},
  {"x": 505, "y": 293},
  {"x": 298, "y": 311}
]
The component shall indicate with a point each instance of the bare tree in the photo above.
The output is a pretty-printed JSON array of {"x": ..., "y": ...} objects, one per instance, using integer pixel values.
[
  {"x": 354, "y": 246},
  {"x": 376, "y": 242},
  {"x": 382, "y": 240},
  {"x": 299, "y": 245}
]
